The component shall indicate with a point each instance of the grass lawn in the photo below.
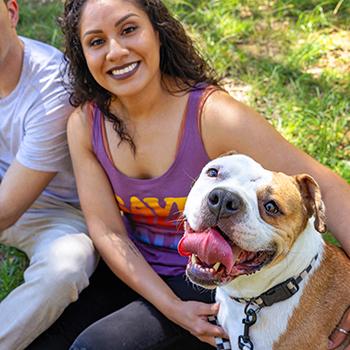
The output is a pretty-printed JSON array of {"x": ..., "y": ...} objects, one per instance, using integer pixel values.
[{"x": 288, "y": 59}]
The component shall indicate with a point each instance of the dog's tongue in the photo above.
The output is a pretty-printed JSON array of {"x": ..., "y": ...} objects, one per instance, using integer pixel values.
[{"x": 210, "y": 247}]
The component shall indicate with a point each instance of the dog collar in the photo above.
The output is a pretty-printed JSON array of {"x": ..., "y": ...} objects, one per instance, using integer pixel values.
[{"x": 280, "y": 292}]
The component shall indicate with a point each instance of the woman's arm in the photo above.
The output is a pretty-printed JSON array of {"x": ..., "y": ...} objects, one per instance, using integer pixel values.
[
  {"x": 109, "y": 235},
  {"x": 229, "y": 125}
]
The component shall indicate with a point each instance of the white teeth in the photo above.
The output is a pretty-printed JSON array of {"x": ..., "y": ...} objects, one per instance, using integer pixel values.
[
  {"x": 216, "y": 266},
  {"x": 124, "y": 70},
  {"x": 193, "y": 259}
]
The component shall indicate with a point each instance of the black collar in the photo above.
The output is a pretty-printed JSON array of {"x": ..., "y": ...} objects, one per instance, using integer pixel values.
[{"x": 279, "y": 292}]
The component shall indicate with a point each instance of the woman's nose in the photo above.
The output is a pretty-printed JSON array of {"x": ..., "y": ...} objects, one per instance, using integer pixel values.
[{"x": 116, "y": 50}]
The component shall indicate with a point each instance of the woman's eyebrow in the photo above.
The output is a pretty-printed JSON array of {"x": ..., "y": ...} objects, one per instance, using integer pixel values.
[{"x": 116, "y": 24}]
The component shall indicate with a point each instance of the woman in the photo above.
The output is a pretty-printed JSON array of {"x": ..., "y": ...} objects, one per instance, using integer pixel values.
[{"x": 150, "y": 115}]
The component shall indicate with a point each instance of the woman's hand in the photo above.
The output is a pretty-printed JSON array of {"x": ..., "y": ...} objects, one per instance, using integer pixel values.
[
  {"x": 341, "y": 332},
  {"x": 193, "y": 316}
]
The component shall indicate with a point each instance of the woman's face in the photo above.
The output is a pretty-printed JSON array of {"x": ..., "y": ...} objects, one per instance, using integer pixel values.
[{"x": 120, "y": 46}]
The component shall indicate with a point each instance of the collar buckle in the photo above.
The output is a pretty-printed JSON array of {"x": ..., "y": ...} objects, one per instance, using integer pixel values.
[{"x": 280, "y": 292}]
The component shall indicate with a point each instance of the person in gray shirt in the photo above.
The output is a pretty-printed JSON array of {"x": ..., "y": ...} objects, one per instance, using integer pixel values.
[{"x": 39, "y": 207}]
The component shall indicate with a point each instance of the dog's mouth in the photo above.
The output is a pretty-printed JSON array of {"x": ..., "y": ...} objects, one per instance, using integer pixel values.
[{"x": 215, "y": 260}]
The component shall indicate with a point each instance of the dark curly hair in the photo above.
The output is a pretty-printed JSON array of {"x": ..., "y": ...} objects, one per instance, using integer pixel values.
[{"x": 179, "y": 59}]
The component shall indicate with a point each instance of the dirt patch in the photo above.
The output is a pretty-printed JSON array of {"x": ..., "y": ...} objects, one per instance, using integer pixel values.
[
  {"x": 268, "y": 41},
  {"x": 337, "y": 56},
  {"x": 238, "y": 90},
  {"x": 263, "y": 49}
]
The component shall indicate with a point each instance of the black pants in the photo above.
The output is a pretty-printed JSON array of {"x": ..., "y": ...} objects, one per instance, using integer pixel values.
[{"x": 113, "y": 317}]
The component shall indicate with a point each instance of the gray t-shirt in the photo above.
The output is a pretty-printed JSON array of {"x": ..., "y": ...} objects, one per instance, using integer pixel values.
[{"x": 33, "y": 121}]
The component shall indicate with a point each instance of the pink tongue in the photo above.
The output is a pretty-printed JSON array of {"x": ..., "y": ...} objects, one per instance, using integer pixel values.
[{"x": 210, "y": 247}]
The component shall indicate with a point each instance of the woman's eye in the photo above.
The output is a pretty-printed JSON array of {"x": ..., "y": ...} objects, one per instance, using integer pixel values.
[
  {"x": 129, "y": 29},
  {"x": 271, "y": 208},
  {"x": 212, "y": 172},
  {"x": 96, "y": 42}
]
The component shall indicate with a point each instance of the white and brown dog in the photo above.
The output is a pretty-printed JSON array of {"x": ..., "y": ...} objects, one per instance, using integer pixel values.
[{"x": 254, "y": 235}]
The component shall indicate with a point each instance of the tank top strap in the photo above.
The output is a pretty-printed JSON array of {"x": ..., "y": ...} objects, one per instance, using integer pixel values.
[
  {"x": 98, "y": 138},
  {"x": 95, "y": 122},
  {"x": 192, "y": 137}
]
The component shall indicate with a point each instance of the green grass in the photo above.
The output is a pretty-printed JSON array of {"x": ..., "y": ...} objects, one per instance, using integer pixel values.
[
  {"x": 12, "y": 264},
  {"x": 294, "y": 57},
  {"x": 38, "y": 20},
  {"x": 289, "y": 59}
]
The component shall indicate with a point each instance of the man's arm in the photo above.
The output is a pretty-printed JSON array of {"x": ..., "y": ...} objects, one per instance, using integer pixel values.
[{"x": 19, "y": 188}]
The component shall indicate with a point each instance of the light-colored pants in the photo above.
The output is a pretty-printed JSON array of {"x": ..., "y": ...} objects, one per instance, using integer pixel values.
[{"x": 62, "y": 258}]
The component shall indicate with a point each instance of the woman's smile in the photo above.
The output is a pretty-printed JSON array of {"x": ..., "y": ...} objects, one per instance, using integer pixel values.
[{"x": 125, "y": 71}]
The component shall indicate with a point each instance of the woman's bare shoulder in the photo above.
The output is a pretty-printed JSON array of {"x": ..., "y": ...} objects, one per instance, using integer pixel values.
[
  {"x": 79, "y": 125},
  {"x": 80, "y": 116},
  {"x": 226, "y": 122}
]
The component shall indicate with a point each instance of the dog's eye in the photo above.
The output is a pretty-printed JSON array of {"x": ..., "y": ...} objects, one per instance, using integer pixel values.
[
  {"x": 271, "y": 208},
  {"x": 212, "y": 172}
]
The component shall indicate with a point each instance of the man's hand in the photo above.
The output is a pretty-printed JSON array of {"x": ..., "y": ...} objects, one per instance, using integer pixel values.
[{"x": 341, "y": 332}]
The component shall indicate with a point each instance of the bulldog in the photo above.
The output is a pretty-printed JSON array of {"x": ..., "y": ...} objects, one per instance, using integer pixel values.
[{"x": 254, "y": 235}]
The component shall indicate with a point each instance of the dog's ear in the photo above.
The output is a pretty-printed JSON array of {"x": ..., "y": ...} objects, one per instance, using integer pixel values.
[
  {"x": 311, "y": 194},
  {"x": 229, "y": 153}
]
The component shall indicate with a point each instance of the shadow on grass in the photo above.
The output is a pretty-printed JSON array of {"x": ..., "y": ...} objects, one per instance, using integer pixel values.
[{"x": 12, "y": 265}]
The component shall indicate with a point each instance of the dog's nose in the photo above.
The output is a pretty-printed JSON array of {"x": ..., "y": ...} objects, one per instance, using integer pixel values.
[{"x": 223, "y": 203}]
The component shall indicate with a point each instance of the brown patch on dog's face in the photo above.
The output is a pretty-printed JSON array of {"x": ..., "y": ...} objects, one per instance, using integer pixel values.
[{"x": 281, "y": 205}]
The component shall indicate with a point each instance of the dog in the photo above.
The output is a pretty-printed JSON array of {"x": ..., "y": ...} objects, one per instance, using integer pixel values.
[{"x": 254, "y": 235}]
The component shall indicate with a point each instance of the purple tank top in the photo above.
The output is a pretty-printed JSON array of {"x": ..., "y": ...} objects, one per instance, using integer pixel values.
[{"x": 152, "y": 207}]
